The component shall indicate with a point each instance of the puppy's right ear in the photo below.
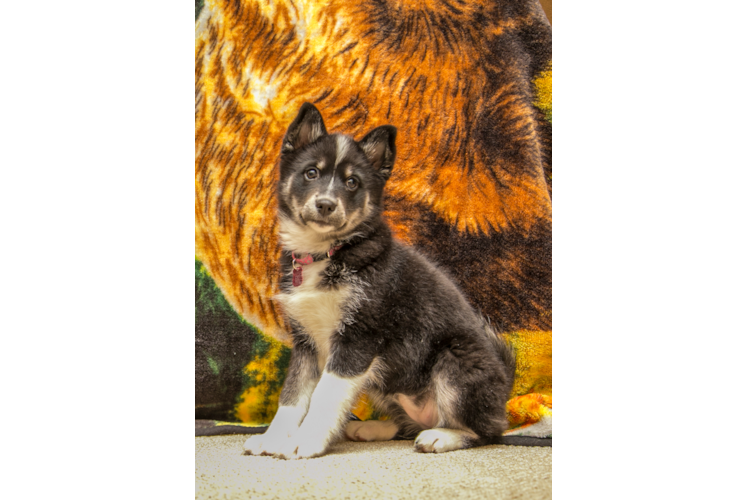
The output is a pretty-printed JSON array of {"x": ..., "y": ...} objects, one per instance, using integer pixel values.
[{"x": 306, "y": 128}]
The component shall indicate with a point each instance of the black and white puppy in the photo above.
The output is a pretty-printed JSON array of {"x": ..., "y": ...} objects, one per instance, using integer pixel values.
[{"x": 370, "y": 314}]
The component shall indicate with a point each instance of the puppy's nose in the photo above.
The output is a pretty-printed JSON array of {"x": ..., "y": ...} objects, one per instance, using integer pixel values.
[{"x": 326, "y": 206}]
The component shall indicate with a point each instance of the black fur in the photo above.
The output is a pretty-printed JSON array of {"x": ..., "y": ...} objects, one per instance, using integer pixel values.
[{"x": 402, "y": 313}]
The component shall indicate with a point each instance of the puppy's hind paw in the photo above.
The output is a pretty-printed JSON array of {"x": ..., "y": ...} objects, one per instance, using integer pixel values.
[
  {"x": 440, "y": 440},
  {"x": 371, "y": 430}
]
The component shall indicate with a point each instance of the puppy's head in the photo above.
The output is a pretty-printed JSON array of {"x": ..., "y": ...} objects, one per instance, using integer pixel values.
[{"x": 330, "y": 184}]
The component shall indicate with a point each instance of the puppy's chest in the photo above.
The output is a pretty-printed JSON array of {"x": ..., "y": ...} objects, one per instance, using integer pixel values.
[{"x": 320, "y": 303}]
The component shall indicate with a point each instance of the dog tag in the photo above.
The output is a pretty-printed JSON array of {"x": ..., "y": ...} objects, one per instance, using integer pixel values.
[{"x": 297, "y": 276}]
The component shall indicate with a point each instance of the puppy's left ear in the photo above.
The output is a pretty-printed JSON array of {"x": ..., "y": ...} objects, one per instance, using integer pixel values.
[{"x": 379, "y": 148}]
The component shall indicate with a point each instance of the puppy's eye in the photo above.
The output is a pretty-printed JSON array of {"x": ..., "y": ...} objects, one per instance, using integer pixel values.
[
  {"x": 351, "y": 183},
  {"x": 311, "y": 174}
]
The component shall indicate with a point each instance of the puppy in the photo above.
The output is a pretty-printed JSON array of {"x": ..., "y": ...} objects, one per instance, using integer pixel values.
[{"x": 370, "y": 314}]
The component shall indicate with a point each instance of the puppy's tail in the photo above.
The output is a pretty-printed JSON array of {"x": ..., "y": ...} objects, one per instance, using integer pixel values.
[{"x": 503, "y": 349}]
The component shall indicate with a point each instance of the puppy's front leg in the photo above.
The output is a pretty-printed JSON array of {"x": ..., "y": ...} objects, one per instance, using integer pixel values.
[
  {"x": 295, "y": 396},
  {"x": 328, "y": 413}
]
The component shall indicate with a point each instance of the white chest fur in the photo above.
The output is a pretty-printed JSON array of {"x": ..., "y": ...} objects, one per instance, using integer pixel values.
[{"x": 318, "y": 310}]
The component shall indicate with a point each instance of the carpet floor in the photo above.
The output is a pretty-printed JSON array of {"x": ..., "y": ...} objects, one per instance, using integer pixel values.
[{"x": 381, "y": 470}]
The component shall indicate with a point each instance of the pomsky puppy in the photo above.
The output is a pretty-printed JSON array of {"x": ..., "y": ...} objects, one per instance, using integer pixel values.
[{"x": 370, "y": 314}]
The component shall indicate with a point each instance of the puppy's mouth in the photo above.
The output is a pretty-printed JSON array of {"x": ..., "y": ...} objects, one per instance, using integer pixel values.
[{"x": 321, "y": 225}]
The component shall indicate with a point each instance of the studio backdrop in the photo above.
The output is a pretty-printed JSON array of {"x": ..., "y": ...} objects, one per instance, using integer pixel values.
[{"x": 467, "y": 83}]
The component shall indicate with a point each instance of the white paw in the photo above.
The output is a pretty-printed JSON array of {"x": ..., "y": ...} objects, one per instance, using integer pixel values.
[
  {"x": 253, "y": 445},
  {"x": 371, "y": 430},
  {"x": 301, "y": 446},
  {"x": 264, "y": 444},
  {"x": 439, "y": 441}
]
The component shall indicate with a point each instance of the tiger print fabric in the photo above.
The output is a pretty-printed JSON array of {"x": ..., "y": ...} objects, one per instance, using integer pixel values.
[{"x": 468, "y": 85}]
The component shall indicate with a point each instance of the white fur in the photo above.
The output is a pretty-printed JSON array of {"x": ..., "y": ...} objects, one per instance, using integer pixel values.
[
  {"x": 316, "y": 132},
  {"x": 441, "y": 440},
  {"x": 285, "y": 423},
  {"x": 321, "y": 228},
  {"x": 371, "y": 430},
  {"x": 318, "y": 311},
  {"x": 447, "y": 399},
  {"x": 330, "y": 190},
  {"x": 328, "y": 411},
  {"x": 342, "y": 144},
  {"x": 299, "y": 238},
  {"x": 369, "y": 149}
]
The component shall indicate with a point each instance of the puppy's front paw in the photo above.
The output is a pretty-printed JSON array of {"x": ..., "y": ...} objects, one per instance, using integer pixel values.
[
  {"x": 253, "y": 445},
  {"x": 302, "y": 446},
  {"x": 263, "y": 444}
]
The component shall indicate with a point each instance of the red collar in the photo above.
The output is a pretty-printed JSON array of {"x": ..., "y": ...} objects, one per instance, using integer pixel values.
[{"x": 298, "y": 262}]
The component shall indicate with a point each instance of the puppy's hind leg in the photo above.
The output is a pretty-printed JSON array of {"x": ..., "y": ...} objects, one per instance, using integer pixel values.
[{"x": 471, "y": 403}]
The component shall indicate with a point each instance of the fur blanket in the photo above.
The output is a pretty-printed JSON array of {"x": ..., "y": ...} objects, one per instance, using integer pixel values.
[{"x": 468, "y": 85}]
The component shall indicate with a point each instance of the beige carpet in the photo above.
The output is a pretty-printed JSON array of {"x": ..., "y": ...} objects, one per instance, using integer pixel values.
[{"x": 383, "y": 470}]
